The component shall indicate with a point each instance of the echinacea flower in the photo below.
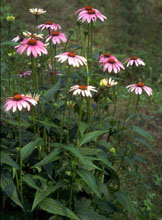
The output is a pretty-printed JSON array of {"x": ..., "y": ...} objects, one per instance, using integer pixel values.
[
  {"x": 139, "y": 87},
  {"x": 18, "y": 39},
  {"x": 49, "y": 25},
  {"x": 91, "y": 15},
  {"x": 108, "y": 82},
  {"x": 30, "y": 35},
  {"x": 19, "y": 101},
  {"x": 83, "y": 90},
  {"x": 56, "y": 37},
  {"x": 105, "y": 57},
  {"x": 10, "y": 18},
  {"x": 73, "y": 59},
  {"x": 32, "y": 46},
  {"x": 86, "y": 8},
  {"x": 37, "y": 11},
  {"x": 113, "y": 65},
  {"x": 134, "y": 61},
  {"x": 34, "y": 96},
  {"x": 26, "y": 73}
]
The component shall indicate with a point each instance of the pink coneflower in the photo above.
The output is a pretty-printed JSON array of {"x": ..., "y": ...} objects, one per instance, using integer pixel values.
[
  {"x": 86, "y": 8},
  {"x": 134, "y": 61},
  {"x": 17, "y": 39},
  {"x": 33, "y": 46},
  {"x": 105, "y": 57},
  {"x": 26, "y": 73},
  {"x": 83, "y": 90},
  {"x": 113, "y": 65},
  {"x": 91, "y": 15},
  {"x": 49, "y": 25},
  {"x": 73, "y": 59},
  {"x": 139, "y": 87},
  {"x": 19, "y": 101},
  {"x": 57, "y": 37}
]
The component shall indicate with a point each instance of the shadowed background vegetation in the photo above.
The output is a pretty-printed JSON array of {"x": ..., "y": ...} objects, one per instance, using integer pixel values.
[{"x": 133, "y": 27}]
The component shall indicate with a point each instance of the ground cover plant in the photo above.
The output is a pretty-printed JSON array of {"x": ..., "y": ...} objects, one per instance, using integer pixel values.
[{"x": 73, "y": 122}]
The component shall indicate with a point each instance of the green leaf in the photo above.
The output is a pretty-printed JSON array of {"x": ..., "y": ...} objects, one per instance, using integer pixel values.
[
  {"x": 89, "y": 214},
  {"x": 107, "y": 145},
  {"x": 27, "y": 178},
  {"x": 82, "y": 128},
  {"x": 143, "y": 133},
  {"x": 29, "y": 148},
  {"x": 91, "y": 136},
  {"x": 89, "y": 179},
  {"x": 142, "y": 141},
  {"x": 107, "y": 206},
  {"x": 9, "y": 188},
  {"x": 103, "y": 157},
  {"x": 55, "y": 207},
  {"x": 6, "y": 159},
  {"x": 124, "y": 201},
  {"x": 48, "y": 124},
  {"x": 42, "y": 193},
  {"x": 86, "y": 161},
  {"x": 51, "y": 157},
  {"x": 16, "y": 123},
  {"x": 49, "y": 93}
]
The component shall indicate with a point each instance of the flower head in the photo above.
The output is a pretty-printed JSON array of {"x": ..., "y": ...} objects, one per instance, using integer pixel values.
[
  {"x": 86, "y": 8},
  {"x": 134, "y": 61},
  {"x": 73, "y": 59},
  {"x": 32, "y": 46},
  {"x": 26, "y": 73},
  {"x": 49, "y": 25},
  {"x": 139, "y": 87},
  {"x": 19, "y": 101},
  {"x": 34, "y": 96},
  {"x": 108, "y": 82},
  {"x": 37, "y": 11},
  {"x": 30, "y": 35},
  {"x": 10, "y": 18},
  {"x": 17, "y": 39},
  {"x": 113, "y": 65},
  {"x": 56, "y": 37},
  {"x": 90, "y": 14},
  {"x": 83, "y": 90},
  {"x": 105, "y": 57}
]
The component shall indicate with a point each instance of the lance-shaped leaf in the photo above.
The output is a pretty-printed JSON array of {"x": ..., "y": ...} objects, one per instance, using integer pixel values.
[
  {"x": 29, "y": 148},
  {"x": 52, "y": 91},
  {"x": 55, "y": 207},
  {"x": 9, "y": 188},
  {"x": 91, "y": 136},
  {"x": 89, "y": 179},
  {"x": 143, "y": 133},
  {"x": 51, "y": 157},
  {"x": 6, "y": 159}
]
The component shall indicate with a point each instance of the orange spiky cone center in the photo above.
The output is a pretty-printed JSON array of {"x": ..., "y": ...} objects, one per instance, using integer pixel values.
[
  {"x": 32, "y": 42},
  {"x": 91, "y": 12},
  {"x": 83, "y": 87},
  {"x": 111, "y": 60},
  {"x": 88, "y": 8},
  {"x": 71, "y": 54},
  {"x": 17, "y": 97},
  {"x": 140, "y": 84},
  {"x": 134, "y": 58},
  {"x": 49, "y": 22},
  {"x": 107, "y": 55},
  {"x": 55, "y": 33}
]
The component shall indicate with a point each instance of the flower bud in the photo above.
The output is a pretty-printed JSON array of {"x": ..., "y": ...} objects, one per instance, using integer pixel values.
[
  {"x": 10, "y": 18},
  {"x": 112, "y": 150}
]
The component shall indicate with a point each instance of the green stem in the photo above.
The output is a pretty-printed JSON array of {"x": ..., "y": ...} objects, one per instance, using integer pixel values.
[
  {"x": 20, "y": 160},
  {"x": 34, "y": 74},
  {"x": 52, "y": 64},
  {"x": 66, "y": 45},
  {"x": 55, "y": 63},
  {"x": 80, "y": 117},
  {"x": 127, "y": 109},
  {"x": 130, "y": 133},
  {"x": 66, "y": 99}
]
